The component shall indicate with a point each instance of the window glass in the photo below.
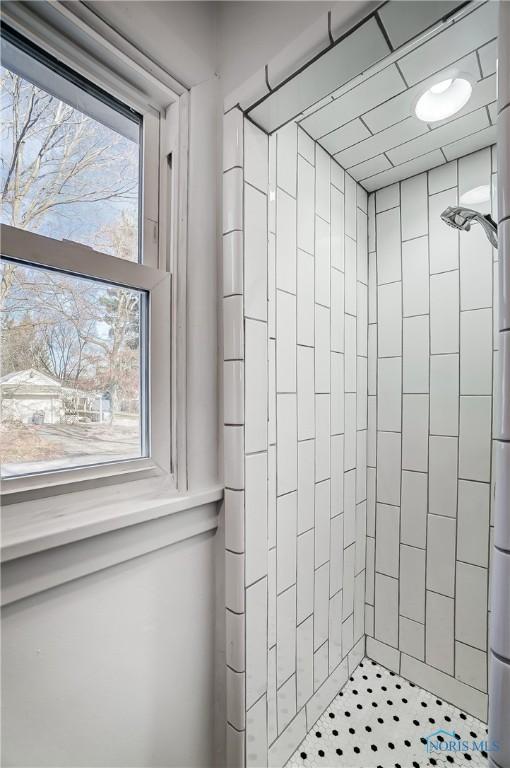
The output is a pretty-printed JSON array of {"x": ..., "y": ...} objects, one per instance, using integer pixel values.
[
  {"x": 70, "y": 161},
  {"x": 72, "y": 366}
]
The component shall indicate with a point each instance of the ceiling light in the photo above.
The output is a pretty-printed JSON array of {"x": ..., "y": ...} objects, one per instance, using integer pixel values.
[
  {"x": 476, "y": 196},
  {"x": 442, "y": 86},
  {"x": 443, "y": 99}
]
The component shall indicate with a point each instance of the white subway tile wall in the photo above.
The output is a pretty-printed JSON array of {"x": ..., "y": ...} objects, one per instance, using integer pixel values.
[
  {"x": 432, "y": 355},
  {"x": 295, "y": 389}
]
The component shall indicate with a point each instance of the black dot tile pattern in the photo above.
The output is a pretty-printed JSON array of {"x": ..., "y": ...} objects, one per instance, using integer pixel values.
[{"x": 390, "y": 729}]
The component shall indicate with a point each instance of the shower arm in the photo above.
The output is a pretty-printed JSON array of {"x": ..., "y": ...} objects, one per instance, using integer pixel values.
[{"x": 489, "y": 226}]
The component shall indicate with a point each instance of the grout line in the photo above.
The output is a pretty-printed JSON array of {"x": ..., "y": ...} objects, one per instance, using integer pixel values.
[
  {"x": 427, "y": 508},
  {"x": 477, "y": 54},
  {"x": 385, "y": 154},
  {"x": 384, "y": 33},
  {"x": 266, "y": 78},
  {"x": 254, "y": 186},
  {"x": 314, "y": 404},
  {"x": 245, "y": 703},
  {"x": 363, "y": 122},
  {"x": 402, "y": 422}
]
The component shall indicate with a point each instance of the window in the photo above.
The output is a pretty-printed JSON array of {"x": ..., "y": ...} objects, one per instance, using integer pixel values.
[
  {"x": 85, "y": 314},
  {"x": 72, "y": 362}
]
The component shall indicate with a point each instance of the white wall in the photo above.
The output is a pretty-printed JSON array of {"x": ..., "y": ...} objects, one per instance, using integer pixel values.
[
  {"x": 204, "y": 466},
  {"x": 114, "y": 669},
  {"x": 180, "y": 36}
]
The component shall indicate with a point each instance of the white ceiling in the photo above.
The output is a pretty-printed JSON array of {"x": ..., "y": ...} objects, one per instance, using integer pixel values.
[{"x": 371, "y": 128}]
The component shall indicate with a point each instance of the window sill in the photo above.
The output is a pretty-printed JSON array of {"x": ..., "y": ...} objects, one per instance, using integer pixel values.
[{"x": 35, "y": 526}]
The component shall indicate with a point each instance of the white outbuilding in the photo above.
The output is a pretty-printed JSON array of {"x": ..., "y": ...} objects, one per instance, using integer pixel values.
[{"x": 34, "y": 397}]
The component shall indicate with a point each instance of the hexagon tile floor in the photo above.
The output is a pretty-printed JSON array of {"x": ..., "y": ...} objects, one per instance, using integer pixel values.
[{"x": 380, "y": 720}]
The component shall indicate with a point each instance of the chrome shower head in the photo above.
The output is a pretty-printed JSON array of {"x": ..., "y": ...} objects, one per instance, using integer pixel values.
[{"x": 463, "y": 218}]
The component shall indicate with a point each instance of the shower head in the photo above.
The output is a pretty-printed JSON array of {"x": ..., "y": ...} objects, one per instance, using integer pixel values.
[{"x": 462, "y": 218}]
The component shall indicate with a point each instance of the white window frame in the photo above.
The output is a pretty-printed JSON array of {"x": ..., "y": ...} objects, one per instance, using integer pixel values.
[{"x": 162, "y": 272}]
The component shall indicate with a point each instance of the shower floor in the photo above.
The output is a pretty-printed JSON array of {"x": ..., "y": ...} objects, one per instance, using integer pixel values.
[{"x": 380, "y": 720}]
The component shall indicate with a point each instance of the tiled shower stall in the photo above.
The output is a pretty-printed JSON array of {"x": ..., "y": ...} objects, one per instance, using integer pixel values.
[{"x": 360, "y": 359}]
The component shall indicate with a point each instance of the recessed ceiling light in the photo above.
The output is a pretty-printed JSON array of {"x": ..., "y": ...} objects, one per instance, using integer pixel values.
[
  {"x": 443, "y": 99},
  {"x": 477, "y": 195},
  {"x": 442, "y": 86}
]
